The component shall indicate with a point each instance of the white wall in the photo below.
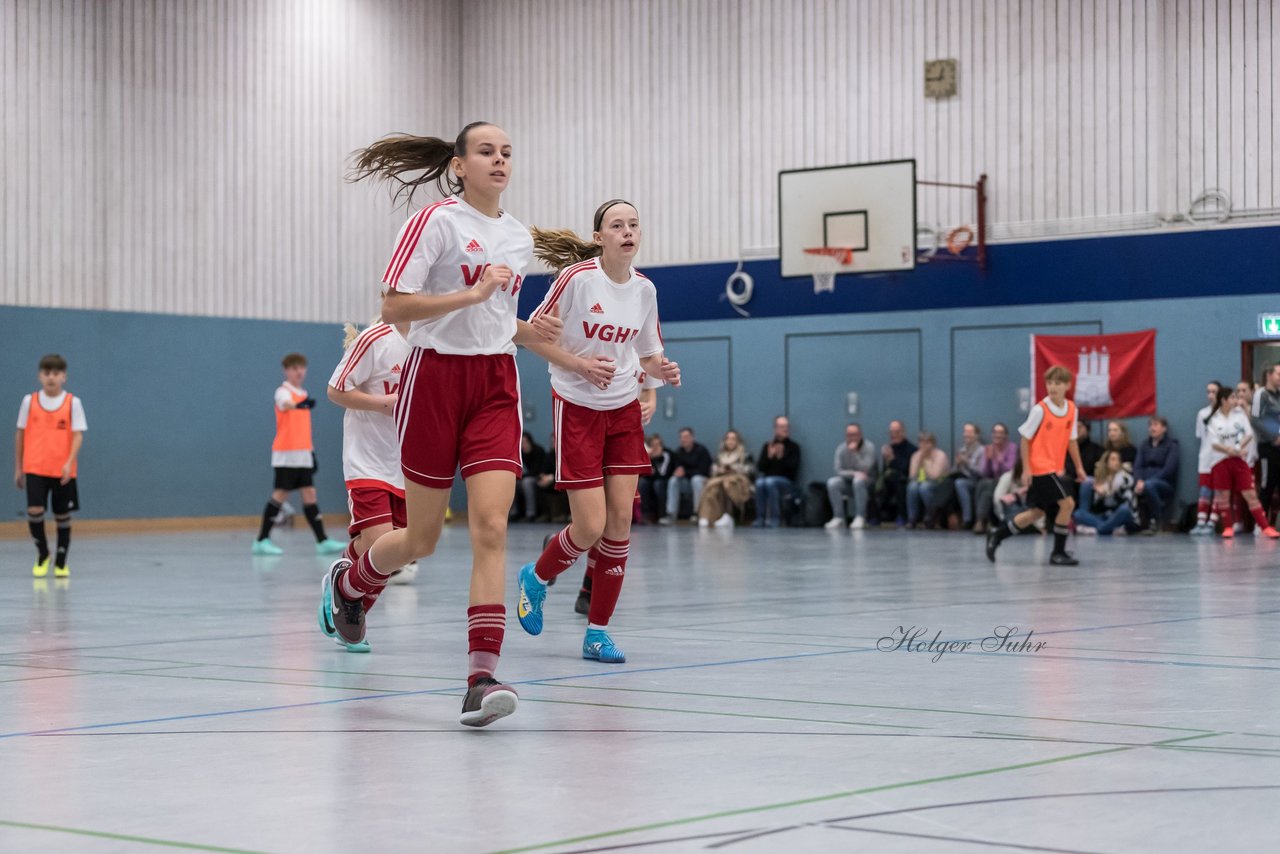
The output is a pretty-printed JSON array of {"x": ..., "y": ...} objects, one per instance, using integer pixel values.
[
  {"x": 1088, "y": 115},
  {"x": 186, "y": 155}
]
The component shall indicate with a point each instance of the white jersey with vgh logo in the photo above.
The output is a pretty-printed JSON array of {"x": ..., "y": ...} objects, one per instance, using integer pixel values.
[
  {"x": 370, "y": 444},
  {"x": 603, "y": 318},
  {"x": 445, "y": 247}
]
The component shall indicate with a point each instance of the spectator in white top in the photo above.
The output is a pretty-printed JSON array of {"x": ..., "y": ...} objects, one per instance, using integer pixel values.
[{"x": 927, "y": 471}]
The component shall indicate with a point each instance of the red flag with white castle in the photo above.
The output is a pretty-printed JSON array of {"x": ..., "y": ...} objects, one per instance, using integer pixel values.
[{"x": 1115, "y": 375}]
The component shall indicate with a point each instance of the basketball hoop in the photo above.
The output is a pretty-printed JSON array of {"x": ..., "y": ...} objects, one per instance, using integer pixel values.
[{"x": 829, "y": 260}]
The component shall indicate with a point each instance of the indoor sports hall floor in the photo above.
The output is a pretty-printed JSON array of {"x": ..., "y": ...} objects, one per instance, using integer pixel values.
[{"x": 176, "y": 694}]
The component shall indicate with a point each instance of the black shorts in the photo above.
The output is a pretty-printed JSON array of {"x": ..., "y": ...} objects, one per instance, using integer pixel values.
[
  {"x": 1046, "y": 491},
  {"x": 290, "y": 479},
  {"x": 65, "y": 496}
]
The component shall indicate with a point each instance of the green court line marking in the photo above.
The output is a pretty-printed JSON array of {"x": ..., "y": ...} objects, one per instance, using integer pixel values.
[
  {"x": 839, "y": 795},
  {"x": 866, "y": 706},
  {"x": 1168, "y": 652},
  {"x": 123, "y": 837},
  {"x": 757, "y": 717},
  {"x": 1192, "y": 748}
]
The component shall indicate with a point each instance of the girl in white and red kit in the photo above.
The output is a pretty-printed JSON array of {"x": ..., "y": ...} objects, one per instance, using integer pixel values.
[
  {"x": 610, "y": 314},
  {"x": 454, "y": 276}
]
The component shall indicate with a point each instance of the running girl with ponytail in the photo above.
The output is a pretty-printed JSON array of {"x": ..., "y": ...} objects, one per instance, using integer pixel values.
[
  {"x": 610, "y": 312},
  {"x": 454, "y": 276}
]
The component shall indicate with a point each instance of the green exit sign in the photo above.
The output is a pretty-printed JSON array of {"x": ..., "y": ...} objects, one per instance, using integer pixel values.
[{"x": 1269, "y": 325}]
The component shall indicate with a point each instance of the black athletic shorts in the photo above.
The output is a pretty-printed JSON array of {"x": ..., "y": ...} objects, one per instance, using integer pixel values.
[
  {"x": 65, "y": 496},
  {"x": 1046, "y": 491},
  {"x": 290, "y": 479}
]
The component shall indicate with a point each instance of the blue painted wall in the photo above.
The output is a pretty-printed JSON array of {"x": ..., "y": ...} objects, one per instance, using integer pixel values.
[{"x": 179, "y": 408}]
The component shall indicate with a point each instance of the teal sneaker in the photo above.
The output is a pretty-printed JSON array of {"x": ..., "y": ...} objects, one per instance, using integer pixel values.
[
  {"x": 598, "y": 646},
  {"x": 340, "y": 618},
  {"x": 532, "y": 594},
  {"x": 330, "y": 547},
  {"x": 266, "y": 547}
]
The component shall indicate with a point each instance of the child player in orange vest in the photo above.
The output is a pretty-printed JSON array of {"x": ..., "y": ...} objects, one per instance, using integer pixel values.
[
  {"x": 1048, "y": 435},
  {"x": 293, "y": 459},
  {"x": 51, "y": 429}
]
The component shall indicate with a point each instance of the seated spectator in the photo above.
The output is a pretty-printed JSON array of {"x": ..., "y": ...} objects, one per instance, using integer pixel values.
[
  {"x": 729, "y": 488},
  {"x": 653, "y": 486},
  {"x": 779, "y": 464},
  {"x": 1112, "y": 508},
  {"x": 1010, "y": 497},
  {"x": 553, "y": 504},
  {"x": 531, "y": 460},
  {"x": 998, "y": 458},
  {"x": 1155, "y": 472},
  {"x": 691, "y": 463},
  {"x": 967, "y": 471},
  {"x": 891, "y": 485},
  {"x": 1090, "y": 453},
  {"x": 855, "y": 466},
  {"x": 926, "y": 475},
  {"x": 1117, "y": 440}
]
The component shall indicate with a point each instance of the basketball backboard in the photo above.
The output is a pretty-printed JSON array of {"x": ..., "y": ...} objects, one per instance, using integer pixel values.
[{"x": 869, "y": 207}]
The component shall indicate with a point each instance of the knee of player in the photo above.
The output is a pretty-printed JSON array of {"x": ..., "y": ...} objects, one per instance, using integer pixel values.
[
  {"x": 487, "y": 527},
  {"x": 422, "y": 541}
]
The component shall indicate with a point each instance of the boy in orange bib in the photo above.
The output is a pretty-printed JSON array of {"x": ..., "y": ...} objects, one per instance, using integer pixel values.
[
  {"x": 293, "y": 459},
  {"x": 51, "y": 429},
  {"x": 1048, "y": 435}
]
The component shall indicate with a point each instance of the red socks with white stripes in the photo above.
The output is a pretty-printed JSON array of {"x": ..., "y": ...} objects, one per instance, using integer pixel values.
[
  {"x": 559, "y": 555},
  {"x": 606, "y": 581},
  {"x": 486, "y": 626}
]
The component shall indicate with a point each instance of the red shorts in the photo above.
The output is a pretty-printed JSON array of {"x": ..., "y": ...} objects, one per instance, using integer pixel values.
[
  {"x": 1233, "y": 475},
  {"x": 458, "y": 411},
  {"x": 591, "y": 443},
  {"x": 373, "y": 505},
  {"x": 1206, "y": 480}
]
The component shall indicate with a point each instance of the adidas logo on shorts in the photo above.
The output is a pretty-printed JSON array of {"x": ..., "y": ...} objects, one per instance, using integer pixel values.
[
  {"x": 596, "y": 309},
  {"x": 474, "y": 246}
]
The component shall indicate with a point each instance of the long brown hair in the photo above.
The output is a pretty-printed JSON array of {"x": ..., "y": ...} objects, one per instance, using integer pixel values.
[
  {"x": 393, "y": 156},
  {"x": 561, "y": 248}
]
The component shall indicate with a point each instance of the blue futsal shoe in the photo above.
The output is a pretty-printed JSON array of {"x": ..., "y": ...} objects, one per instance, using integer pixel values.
[
  {"x": 532, "y": 594},
  {"x": 598, "y": 646}
]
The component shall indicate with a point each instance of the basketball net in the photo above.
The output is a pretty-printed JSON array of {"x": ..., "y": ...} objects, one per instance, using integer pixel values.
[{"x": 828, "y": 260}]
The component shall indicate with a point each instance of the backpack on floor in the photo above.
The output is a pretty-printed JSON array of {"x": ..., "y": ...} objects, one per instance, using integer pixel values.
[{"x": 817, "y": 506}]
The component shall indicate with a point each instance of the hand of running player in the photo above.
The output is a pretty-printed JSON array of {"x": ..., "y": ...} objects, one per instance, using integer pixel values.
[
  {"x": 66, "y": 473},
  {"x": 309, "y": 403},
  {"x": 647, "y": 407},
  {"x": 669, "y": 372},
  {"x": 597, "y": 370},
  {"x": 495, "y": 276},
  {"x": 548, "y": 325},
  {"x": 389, "y": 403},
  {"x": 1026, "y": 478},
  {"x": 20, "y": 480}
]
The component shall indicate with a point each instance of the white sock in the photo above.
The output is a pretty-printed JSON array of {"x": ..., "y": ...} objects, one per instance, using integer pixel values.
[{"x": 592, "y": 627}]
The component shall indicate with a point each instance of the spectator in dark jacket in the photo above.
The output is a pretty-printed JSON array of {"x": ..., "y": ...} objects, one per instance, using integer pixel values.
[
  {"x": 1155, "y": 471},
  {"x": 778, "y": 466},
  {"x": 691, "y": 466},
  {"x": 653, "y": 486},
  {"x": 532, "y": 458},
  {"x": 891, "y": 488}
]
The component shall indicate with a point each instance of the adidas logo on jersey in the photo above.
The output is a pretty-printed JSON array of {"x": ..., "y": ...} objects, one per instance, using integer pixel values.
[
  {"x": 596, "y": 309},
  {"x": 474, "y": 246},
  {"x": 396, "y": 369}
]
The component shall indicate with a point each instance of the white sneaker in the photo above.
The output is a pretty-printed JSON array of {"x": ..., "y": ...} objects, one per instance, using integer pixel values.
[
  {"x": 725, "y": 521},
  {"x": 858, "y": 523},
  {"x": 664, "y": 520},
  {"x": 405, "y": 575},
  {"x": 704, "y": 523},
  {"x": 1085, "y": 529},
  {"x": 836, "y": 522}
]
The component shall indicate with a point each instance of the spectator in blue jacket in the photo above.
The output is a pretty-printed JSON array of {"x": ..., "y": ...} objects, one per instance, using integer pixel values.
[{"x": 1155, "y": 471}]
